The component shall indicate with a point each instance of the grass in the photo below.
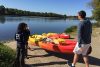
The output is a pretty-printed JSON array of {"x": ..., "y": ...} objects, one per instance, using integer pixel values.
[
  {"x": 71, "y": 29},
  {"x": 95, "y": 25},
  {"x": 74, "y": 28},
  {"x": 7, "y": 56}
]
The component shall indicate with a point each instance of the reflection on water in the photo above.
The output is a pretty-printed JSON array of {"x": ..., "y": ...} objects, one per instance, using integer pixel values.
[
  {"x": 2, "y": 19},
  {"x": 38, "y": 25}
]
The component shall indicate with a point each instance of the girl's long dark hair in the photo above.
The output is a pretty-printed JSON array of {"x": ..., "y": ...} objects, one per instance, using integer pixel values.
[{"x": 21, "y": 27}]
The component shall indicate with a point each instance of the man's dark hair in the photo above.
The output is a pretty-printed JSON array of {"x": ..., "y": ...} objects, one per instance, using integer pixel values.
[{"x": 82, "y": 14}]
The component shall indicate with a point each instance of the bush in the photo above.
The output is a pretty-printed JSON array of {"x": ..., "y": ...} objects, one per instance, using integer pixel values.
[
  {"x": 95, "y": 4},
  {"x": 7, "y": 56},
  {"x": 96, "y": 24},
  {"x": 71, "y": 29}
]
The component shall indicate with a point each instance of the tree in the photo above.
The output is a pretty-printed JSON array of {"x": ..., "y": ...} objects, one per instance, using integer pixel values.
[
  {"x": 2, "y": 10},
  {"x": 95, "y": 4},
  {"x": 17, "y": 12}
]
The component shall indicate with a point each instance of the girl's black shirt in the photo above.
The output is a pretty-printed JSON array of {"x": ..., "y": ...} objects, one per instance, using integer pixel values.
[{"x": 22, "y": 37}]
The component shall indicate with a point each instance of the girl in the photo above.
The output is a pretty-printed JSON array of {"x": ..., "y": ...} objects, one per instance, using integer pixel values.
[{"x": 21, "y": 37}]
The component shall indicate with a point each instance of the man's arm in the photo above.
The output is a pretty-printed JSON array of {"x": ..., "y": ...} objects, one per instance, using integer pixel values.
[{"x": 80, "y": 33}]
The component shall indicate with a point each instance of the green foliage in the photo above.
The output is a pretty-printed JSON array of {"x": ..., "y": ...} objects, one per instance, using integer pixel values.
[
  {"x": 2, "y": 10},
  {"x": 96, "y": 24},
  {"x": 71, "y": 29},
  {"x": 72, "y": 17},
  {"x": 17, "y": 12},
  {"x": 96, "y": 14},
  {"x": 95, "y": 4},
  {"x": 7, "y": 56}
]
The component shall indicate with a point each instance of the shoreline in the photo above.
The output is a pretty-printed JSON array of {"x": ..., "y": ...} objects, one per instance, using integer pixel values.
[
  {"x": 95, "y": 33},
  {"x": 6, "y": 41}
]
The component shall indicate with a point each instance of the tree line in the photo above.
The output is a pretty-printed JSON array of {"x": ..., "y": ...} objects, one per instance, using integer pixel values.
[{"x": 17, "y": 12}]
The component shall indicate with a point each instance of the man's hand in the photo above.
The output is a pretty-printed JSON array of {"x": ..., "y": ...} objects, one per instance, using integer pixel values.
[{"x": 81, "y": 49}]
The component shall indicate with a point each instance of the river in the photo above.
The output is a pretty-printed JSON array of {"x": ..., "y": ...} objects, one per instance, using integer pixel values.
[{"x": 37, "y": 25}]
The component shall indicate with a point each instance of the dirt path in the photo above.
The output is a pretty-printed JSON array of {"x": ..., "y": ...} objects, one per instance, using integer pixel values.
[{"x": 40, "y": 58}]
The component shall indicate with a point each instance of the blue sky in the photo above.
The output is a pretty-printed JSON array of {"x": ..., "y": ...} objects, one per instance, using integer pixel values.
[{"x": 68, "y": 7}]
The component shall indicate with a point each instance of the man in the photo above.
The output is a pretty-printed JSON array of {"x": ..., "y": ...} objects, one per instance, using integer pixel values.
[{"x": 84, "y": 39}]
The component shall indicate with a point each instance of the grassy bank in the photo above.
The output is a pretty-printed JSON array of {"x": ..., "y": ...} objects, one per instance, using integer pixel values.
[
  {"x": 74, "y": 28},
  {"x": 7, "y": 56},
  {"x": 95, "y": 25},
  {"x": 71, "y": 29}
]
